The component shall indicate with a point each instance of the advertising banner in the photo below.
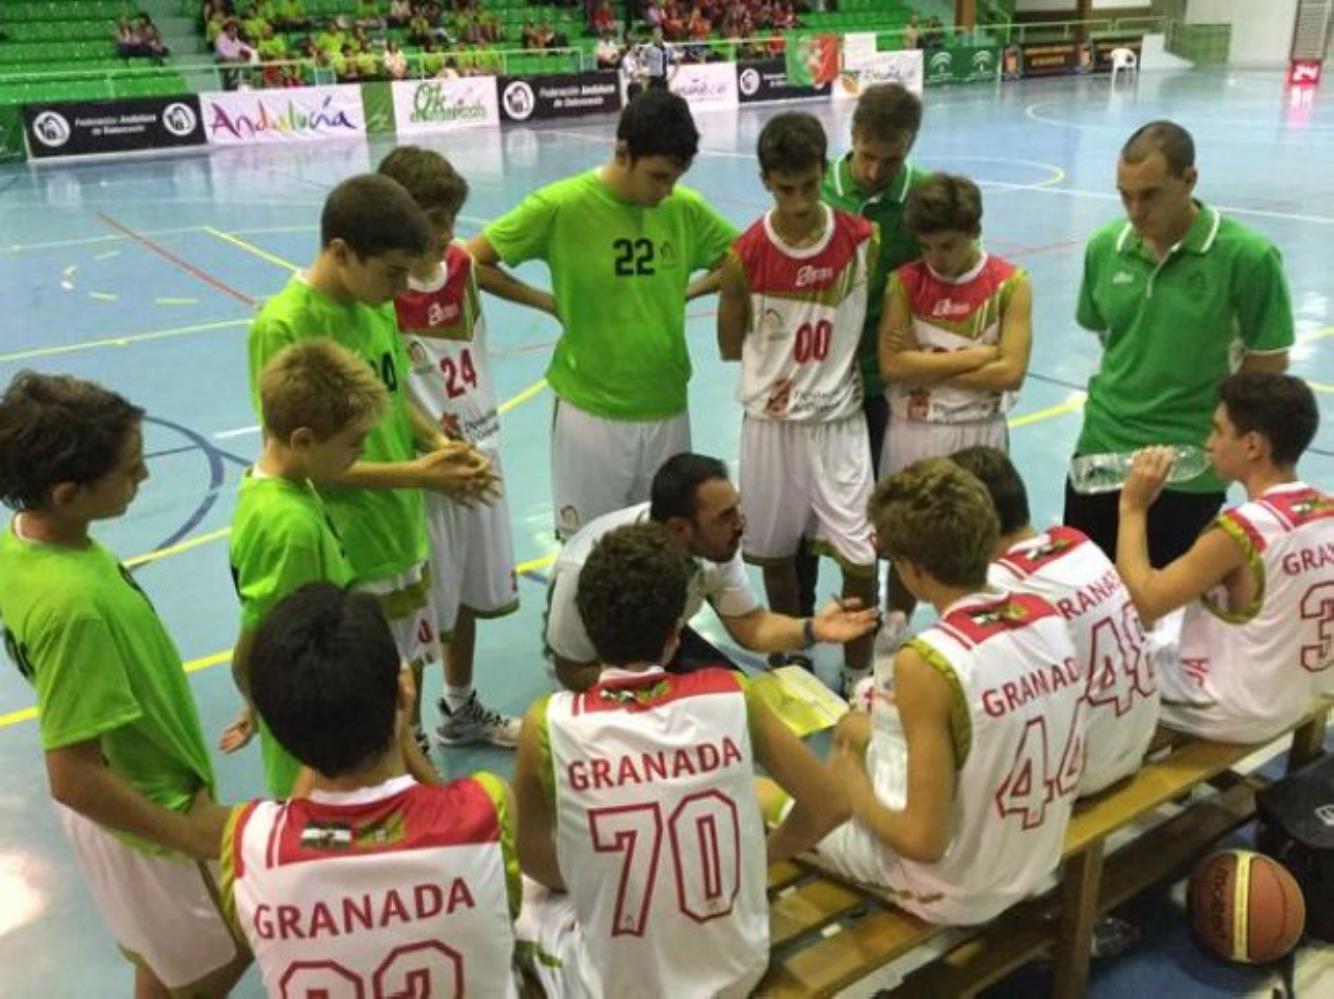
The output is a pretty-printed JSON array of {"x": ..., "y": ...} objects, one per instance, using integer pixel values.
[
  {"x": 767, "y": 80},
  {"x": 962, "y": 64},
  {"x": 377, "y": 105},
  {"x": 87, "y": 128},
  {"x": 558, "y": 95},
  {"x": 424, "y": 106},
  {"x": 903, "y": 67},
  {"x": 1035, "y": 59},
  {"x": 706, "y": 85},
  {"x": 298, "y": 114}
]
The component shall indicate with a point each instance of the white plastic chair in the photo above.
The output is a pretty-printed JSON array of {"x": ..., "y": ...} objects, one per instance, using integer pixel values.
[{"x": 1124, "y": 59}]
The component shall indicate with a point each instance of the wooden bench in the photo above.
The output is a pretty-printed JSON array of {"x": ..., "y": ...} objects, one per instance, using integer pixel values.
[{"x": 826, "y": 934}]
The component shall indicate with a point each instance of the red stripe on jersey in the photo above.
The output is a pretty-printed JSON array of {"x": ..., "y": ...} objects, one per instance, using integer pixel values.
[
  {"x": 421, "y": 311},
  {"x": 771, "y": 270},
  {"x": 1293, "y": 509},
  {"x": 422, "y": 816},
  {"x": 974, "y": 624},
  {"x": 238, "y": 837},
  {"x": 1061, "y": 541},
  {"x": 929, "y": 297},
  {"x": 1238, "y": 520},
  {"x": 652, "y": 690}
]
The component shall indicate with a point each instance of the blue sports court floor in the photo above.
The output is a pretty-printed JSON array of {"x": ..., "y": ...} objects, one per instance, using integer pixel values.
[{"x": 144, "y": 273}]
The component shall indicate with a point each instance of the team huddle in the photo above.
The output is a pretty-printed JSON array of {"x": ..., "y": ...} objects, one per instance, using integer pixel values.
[{"x": 880, "y": 347}]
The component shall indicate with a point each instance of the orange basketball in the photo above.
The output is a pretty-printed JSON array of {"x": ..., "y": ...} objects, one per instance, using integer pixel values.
[{"x": 1246, "y": 907}]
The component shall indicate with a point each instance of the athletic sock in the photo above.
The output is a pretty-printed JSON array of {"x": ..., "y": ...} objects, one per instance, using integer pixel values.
[{"x": 457, "y": 697}]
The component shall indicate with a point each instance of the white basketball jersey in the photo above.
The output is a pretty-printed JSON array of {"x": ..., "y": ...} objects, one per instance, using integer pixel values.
[
  {"x": 658, "y": 832},
  {"x": 1245, "y": 674},
  {"x": 445, "y": 335},
  {"x": 1019, "y": 731},
  {"x": 395, "y": 890},
  {"x": 950, "y": 314},
  {"x": 1122, "y": 693},
  {"x": 799, "y": 362}
]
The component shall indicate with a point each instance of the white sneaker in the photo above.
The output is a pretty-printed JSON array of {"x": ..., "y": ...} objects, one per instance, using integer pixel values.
[{"x": 475, "y": 722}]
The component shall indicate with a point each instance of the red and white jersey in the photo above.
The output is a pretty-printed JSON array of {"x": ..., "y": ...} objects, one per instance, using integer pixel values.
[
  {"x": 450, "y": 377},
  {"x": 401, "y": 889},
  {"x": 1247, "y": 673},
  {"x": 1019, "y": 744},
  {"x": 951, "y": 314},
  {"x": 658, "y": 831},
  {"x": 1081, "y": 582},
  {"x": 799, "y": 362}
]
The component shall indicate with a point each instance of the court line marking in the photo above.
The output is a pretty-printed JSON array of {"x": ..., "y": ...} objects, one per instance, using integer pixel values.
[
  {"x": 238, "y": 432},
  {"x": 251, "y": 248},
  {"x": 121, "y": 341},
  {"x": 185, "y": 265}
]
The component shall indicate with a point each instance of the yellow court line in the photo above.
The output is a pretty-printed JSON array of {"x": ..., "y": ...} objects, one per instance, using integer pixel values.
[
  {"x": 249, "y": 247},
  {"x": 121, "y": 341},
  {"x": 1060, "y": 409},
  {"x": 534, "y": 564},
  {"x": 176, "y": 549},
  {"x": 523, "y": 396},
  {"x": 1319, "y": 334}
]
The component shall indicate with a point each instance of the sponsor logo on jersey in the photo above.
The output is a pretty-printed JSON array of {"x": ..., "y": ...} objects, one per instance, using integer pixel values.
[
  {"x": 326, "y": 837},
  {"x": 1123, "y": 277},
  {"x": 809, "y": 275},
  {"x": 950, "y": 309},
  {"x": 442, "y": 313}
]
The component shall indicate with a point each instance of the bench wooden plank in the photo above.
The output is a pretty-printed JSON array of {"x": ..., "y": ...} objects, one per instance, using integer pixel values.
[
  {"x": 785, "y": 873},
  {"x": 850, "y": 954},
  {"x": 809, "y": 907}
]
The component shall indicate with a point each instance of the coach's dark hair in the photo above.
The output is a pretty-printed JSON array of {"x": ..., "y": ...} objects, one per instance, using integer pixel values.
[
  {"x": 54, "y": 429},
  {"x": 632, "y": 593},
  {"x": 943, "y": 202},
  {"x": 1166, "y": 137},
  {"x": 1280, "y": 407},
  {"x": 324, "y": 677},
  {"x": 658, "y": 123},
  {"x": 430, "y": 178},
  {"x": 886, "y": 111},
  {"x": 791, "y": 142},
  {"x": 994, "y": 469},
  {"x": 676, "y": 482},
  {"x": 373, "y": 215}
]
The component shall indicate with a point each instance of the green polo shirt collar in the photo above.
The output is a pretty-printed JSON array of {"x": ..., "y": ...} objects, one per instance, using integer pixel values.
[
  {"x": 1199, "y": 238},
  {"x": 846, "y": 187}
]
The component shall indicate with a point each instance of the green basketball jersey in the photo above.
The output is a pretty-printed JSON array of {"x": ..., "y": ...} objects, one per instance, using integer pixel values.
[
  {"x": 282, "y": 538},
  {"x": 383, "y": 530},
  {"x": 619, "y": 272},
  {"x": 87, "y": 638}
]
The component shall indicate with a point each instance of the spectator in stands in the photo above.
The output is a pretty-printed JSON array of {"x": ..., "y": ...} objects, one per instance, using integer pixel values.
[
  {"x": 368, "y": 14},
  {"x": 911, "y": 35},
  {"x": 395, "y": 62},
  {"x": 543, "y": 36},
  {"x": 934, "y": 36},
  {"x": 345, "y": 64},
  {"x": 602, "y": 20},
  {"x": 253, "y": 24},
  {"x": 698, "y": 27},
  {"x": 128, "y": 42},
  {"x": 231, "y": 51},
  {"x": 607, "y": 52},
  {"x": 400, "y": 13},
  {"x": 290, "y": 15},
  {"x": 333, "y": 37},
  {"x": 653, "y": 14},
  {"x": 272, "y": 46},
  {"x": 420, "y": 31},
  {"x": 449, "y": 70}
]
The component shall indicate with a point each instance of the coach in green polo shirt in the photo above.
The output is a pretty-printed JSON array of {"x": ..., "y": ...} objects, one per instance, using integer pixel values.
[{"x": 1180, "y": 296}]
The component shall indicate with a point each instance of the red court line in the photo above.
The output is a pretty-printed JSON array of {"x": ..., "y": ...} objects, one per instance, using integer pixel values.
[{"x": 170, "y": 257}]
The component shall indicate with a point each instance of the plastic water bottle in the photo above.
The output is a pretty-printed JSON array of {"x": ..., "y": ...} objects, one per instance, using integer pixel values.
[{"x": 1106, "y": 473}]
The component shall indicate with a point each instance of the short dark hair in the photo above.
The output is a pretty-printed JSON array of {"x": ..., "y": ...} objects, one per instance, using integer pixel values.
[
  {"x": 1280, "y": 407},
  {"x": 1166, "y": 137},
  {"x": 943, "y": 202},
  {"x": 676, "y": 482},
  {"x": 659, "y": 123},
  {"x": 373, "y": 215},
  {"x": 994, "y": 469},
  {"x": 885, "y": 111},
  {"x": 54, "y": 429},
  {"x": 430, "y": 178},
  {"x": 792, "y": 141},
  {"x": 324, "y": 677},
  {"x": 938, "y": 517},
  {"x": 632, "y": 593}
]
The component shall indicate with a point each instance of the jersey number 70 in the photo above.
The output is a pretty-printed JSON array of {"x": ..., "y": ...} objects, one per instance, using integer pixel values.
[{"x": 705, "y": 835}]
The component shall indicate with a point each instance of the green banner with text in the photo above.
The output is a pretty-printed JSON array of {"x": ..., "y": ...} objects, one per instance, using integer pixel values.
[
  {"x": 962, "y": 64},
  {"x": 377, "y": 99},
  {"x": 11, "y": 134}
]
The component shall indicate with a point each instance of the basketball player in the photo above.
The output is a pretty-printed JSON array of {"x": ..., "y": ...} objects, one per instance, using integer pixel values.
[
  {"x": 472, "y": 549},
  {"x": 371, "y": 235},
  {"x": 125, "y": 755},
  {"x": 621, "y": 242},
  {"x": 791, "y": 306},
  {"x": 960, "y": 808},
  {"x": 645, "y": 782},
  {"x": 1251, "y": 647},
  {"x": 1070, "y": 571},
  {"x": 375, "y": 883},
  {"x": 954, "y": 340}
]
